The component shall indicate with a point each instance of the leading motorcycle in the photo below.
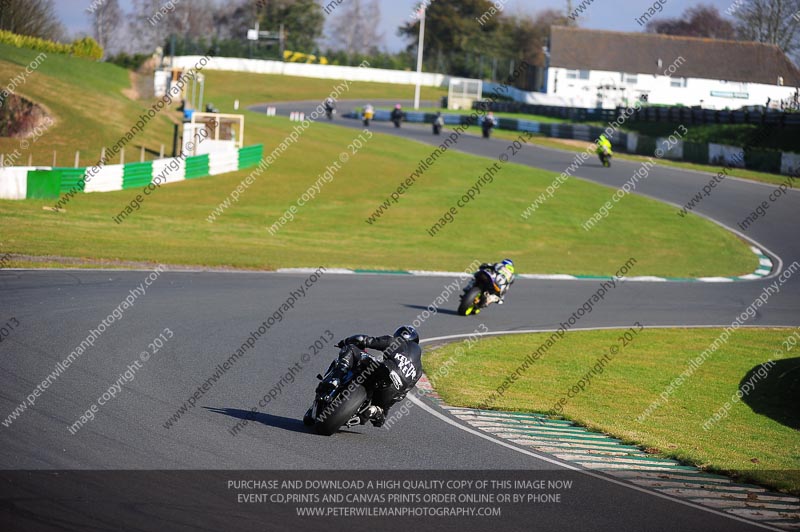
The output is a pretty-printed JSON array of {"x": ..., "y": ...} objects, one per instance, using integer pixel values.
[
  {"x": 480, "y": 292},
  {"x": 604, "y": 153}
]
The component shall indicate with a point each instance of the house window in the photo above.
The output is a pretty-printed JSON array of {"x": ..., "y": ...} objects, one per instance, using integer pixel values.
[
  {"x": 630, "y": 79},
  {"x": 677, "y": 82},
  {"x": 577, "y": 74}
]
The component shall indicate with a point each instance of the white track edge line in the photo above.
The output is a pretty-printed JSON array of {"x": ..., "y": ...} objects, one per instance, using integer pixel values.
[
  {"x": 571, "y": 467},
  {"x": 561, "y": 463}
]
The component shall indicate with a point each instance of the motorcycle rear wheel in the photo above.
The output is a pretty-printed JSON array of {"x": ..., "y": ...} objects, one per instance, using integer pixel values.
[
  {"x": 341, "y": 413},
  {"x": 469, "y": 302}
]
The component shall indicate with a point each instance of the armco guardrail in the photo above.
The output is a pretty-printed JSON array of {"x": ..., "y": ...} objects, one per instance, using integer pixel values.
[
  {"x": 675, "y": 115},
  {"x": 761, "y": 160},
  {"x": 563, "y": 131},
  {"x": 49, "y": 183}
]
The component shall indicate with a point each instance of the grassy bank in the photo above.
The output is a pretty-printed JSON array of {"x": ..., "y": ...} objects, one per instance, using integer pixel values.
[
  {"x": 172, "y": 225},
  {"x": 757, "y": 439},
  {"x": 92, "y": 104}
]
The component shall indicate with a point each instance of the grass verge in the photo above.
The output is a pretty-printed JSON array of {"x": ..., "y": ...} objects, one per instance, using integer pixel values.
[
  {"x": 757, "y": 441},
  {"x": 171, "y": 226}
]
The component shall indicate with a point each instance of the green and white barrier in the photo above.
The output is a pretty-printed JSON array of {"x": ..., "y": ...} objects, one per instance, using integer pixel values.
[
  {"x": 674, "y": 149},
  {"x": 790, "y": 164},
  {"x": 108, "y": 179},
  {"x": 223, "y": 162},
  {"x": 14, "y": 182},
  {"x": 18, "y": 183},
  {"x": 722, "y": 155}
]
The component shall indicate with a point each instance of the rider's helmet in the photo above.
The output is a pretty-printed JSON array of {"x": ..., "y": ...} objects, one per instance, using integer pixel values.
[
  {"x": 408, "y": 333},
  {"x": 398, "y": 106},
  {"x": 508, "y": 264}
]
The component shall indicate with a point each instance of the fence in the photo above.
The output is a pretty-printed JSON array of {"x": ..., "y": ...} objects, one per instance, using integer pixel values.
[
  {"x": 771, "y": 161},
  {"x": 18, "y": 183},
  {"x": 675, "y": 115},
  {"x": 335, "y": 72}
]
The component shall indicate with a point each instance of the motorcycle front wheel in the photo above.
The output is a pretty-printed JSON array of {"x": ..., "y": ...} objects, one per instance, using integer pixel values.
[
  {"x": 339, "y": 412},
  {"x": 469, "y": 302}
]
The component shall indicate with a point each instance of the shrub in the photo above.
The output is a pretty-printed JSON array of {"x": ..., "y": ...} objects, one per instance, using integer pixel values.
[
  {"x": 86, "y": 47},
  {"x": 130, "y": 62}
]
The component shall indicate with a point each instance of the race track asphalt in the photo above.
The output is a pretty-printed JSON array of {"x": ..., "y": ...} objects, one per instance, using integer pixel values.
[{"x": 175, "y": 477}]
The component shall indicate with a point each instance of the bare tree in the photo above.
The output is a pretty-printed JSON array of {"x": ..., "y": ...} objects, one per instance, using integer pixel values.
[
  {"x": 147, "y": 33},
  {"x": 106, "y": 24},
  {"x": 233, "y": 19},
  {"x": 153, "y": 21},
  {"x": 36, "y": 18},
  {"x": 770, "y": 21},
  {"x": 697, "y": 21},
  {"x": 192, "y": 19},
  {"x": 354, "y": 29}
]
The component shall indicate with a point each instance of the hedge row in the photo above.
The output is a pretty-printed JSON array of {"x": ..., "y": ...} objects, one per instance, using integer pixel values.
[{"x": 86, "y": 47}]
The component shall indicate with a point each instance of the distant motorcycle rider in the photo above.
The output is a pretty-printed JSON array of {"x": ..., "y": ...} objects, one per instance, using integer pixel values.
[
  {"x": 330, "y": 107},
  {"x": 604, "y": 148},
  {"x": 438, "y": 123},
  {"x": 603, "y": 143},
  {"x": 503, "y": 274},
  {"x": 368, "y": 114},
  {"x": 487, "y": 125},
  {"x": 397, "y": 115},
  {"x": 401, "y": 367}
]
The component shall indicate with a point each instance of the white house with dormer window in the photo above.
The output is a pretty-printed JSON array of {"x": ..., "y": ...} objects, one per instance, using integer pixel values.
[{"x": 590, "y": 68}]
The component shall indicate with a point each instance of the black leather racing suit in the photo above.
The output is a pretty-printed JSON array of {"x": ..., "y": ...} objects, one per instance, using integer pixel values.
[{"x": 402, "y": 365}]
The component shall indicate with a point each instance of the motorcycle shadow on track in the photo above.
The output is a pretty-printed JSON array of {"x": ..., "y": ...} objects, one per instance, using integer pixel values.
[
  {"x": 440, "y": 310},
  {"x": 279, "y": 422}
]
